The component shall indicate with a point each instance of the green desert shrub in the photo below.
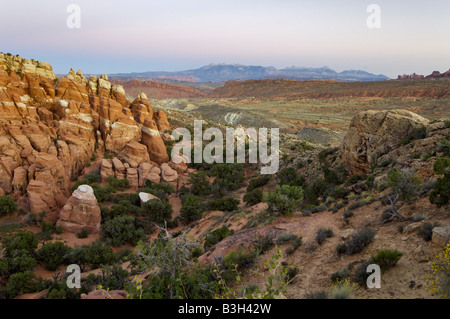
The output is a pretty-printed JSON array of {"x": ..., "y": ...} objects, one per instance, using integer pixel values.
[
  {"x": 121, "y": 230},
  {"x": 227, "y": 204},
  {"x": 289, "y": 176},
  {"x": 157, "y": 210},
  {"x": 253, "y": 197},
  {"x": 59, "y": 290},
  {"x": 160, "y": 190},
  {"x": 261, "y": 218},
  {"x": 297, "y": 243},
  {"x": 426, "y": 231},
  {"x": 285, "y": 200},
  {"x": 87, "y": 180},
  {"x": 112, "y": 277},
  {"x": 322, "y": 234},
  {"x": 118, "y": 185},
  {"x": 21, "y": 283},
  {"x": 199, "y": 182},
  {"x": 440, "y": 195},
  {"x": 19, "y": 241},
  {"x": 291, "y": 272},
  {"x": 20, "y": 261},
  {"x": 84, "y": 233},
  {"x": 285, "y": 238},
  {"x": 7, "y": 205},
  {"x": 340, "y": 275},
  {"x": 229, "y": 177},
  {"x": 334, "y": 176},
  {"x": 357, "y": 243},
  {"x": 441, "y": 165},
  {"x": 191, "y": 209},
  {"x": 103, "y": 194},
  {"x": 386, "y": 258},
  {"x": 93, "y": 256},
  {"x": 52, "y": 254},
  {"x": 262, "y": 244},
  {"x": 315, "y": 189},
  {"x": 131, "y": 198},
  {"x": 342, "y": 289},
  {"x": 216, "y": 236},
  {"x": 258, "y": 182}
]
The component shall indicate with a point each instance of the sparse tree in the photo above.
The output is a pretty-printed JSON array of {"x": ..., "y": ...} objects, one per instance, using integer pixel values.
[
  {"x": 404, "y": 187},
  {"x": 172, "y": 256}
]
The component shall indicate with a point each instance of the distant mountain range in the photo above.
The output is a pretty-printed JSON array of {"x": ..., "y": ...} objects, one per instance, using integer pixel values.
[{"x": 234, "y": 72}]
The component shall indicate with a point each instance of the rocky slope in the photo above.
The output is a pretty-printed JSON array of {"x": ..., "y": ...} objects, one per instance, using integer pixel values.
[
  {"x": 158, "y": 90},
  {"x": 329, "y": 89},
  {"x": 50, "y": 128}
]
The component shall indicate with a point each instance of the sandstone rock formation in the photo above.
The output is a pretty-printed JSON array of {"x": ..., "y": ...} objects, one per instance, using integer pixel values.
[
  {"x": 134, "y": 154},
  {"x": 106, "y": 170},
  {"x": 441, "y": 235},
  {"x": 143, "y": 171},
  {"x": 152, "y": 139},
  {"x": 168, "y": 174},
  {"x": 433, "y": 75},
  {"x": 81, "y": 211},
  {"x": 50, "y": 127},
  {"x": 374, "y": 133}
]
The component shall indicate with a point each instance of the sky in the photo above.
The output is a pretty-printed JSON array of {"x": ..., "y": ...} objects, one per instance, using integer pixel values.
[{"x": 171, "y": 35}]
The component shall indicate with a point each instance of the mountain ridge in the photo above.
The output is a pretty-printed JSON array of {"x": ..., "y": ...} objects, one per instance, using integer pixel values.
[{"x": 220, "y": 72}]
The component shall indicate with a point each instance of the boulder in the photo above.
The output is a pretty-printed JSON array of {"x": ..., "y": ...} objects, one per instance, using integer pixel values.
[
  {"x": 145, "y": 197},
  {"x": 153, "y": 177},
  {"x": 441, "y": 235},
  {"x": 413, "y": 227},
  {"x": 179, "y": 163},
  {"x": 134, "y": 154},
  {"x": 168, "y": 174},
  {"x": 119, "y": 168},
  {"x": 161, "y": 120},
  {"x": 133, "y": 178},
  {"x": 152, "y": 139},
  {"x": 81, "y": 211},
  {"x": 373, "y": 134},
  {"x": 19, "y": 182},
  {"x": 346, "y": 234},
  {"x": 143, "y": 170},
  {"x": 40, "y": 197},
  {"x": 106, "y": 170}
]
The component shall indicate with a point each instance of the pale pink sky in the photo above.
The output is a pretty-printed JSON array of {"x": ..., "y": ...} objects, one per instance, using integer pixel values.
[{"x": 156, "y": 35}]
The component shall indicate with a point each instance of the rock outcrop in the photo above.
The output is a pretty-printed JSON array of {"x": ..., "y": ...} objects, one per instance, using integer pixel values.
[
  {"x": 81, "y": 211},
  {"x": 134, "y": 154},
  {"x": 373, "y": 134},
  {"x": 433, "y": 75},
  {"x": 145, "y": 197},
  {"x": 441, "y": 235},
  {"x": 50, "y": 127}
]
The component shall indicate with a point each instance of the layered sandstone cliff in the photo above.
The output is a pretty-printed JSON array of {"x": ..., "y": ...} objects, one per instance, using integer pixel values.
[{"x": 50, "y": 127}]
